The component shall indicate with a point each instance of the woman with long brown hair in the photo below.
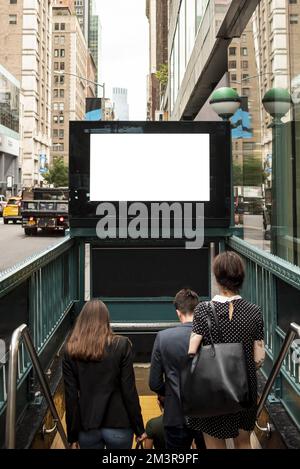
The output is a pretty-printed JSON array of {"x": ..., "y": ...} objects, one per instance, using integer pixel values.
[{"x": 102, "y": 404}]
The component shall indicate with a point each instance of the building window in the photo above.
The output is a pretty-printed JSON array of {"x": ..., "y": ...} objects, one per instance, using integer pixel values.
[
  {"x": 232, "y": 50},
  {"x": 292, "y": 2},
  {"x": 233, "y": 77},
  {"x": 61, "y": 133},
  {"x": 245, "y": 77},
  {"x": 55, "y": 133},
  {"x": 246, "y": 91},
  {"x": 61, "y": 106},
  {"x": 55, "y": 65},
  {"x": 56, "y": 26},
  {"x": 56, "y": 39},
  {"x": 61, "y": 119},
  {"x": 62, "y": 65},
  {"x": 12, "y": 2},
  {"x": 56, "y": 52},
  {"x": 55, "y": 119},
  {"x": 61, "y": 93},
  {"x": 232, "y": 64},
  {"x": 245, "y": 64},
  {"x": 244, "y": 51},
  {"x": 293, "y": 19},
  {"x": 62, "y": 26},
  {"x": 62, "y": 52},
  {"x": 12, "y": 19},
  {"x": 62, "y": 40},
  {"x": 55, "y": 93}
]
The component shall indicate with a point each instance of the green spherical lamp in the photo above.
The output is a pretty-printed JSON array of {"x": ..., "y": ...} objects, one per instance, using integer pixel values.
[
  {"x": 277, "y": 102},
  {"x": 225, "y": 102}
]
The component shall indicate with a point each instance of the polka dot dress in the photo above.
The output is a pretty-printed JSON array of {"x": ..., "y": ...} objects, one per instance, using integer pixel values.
[{"x": 246, "y": 326}]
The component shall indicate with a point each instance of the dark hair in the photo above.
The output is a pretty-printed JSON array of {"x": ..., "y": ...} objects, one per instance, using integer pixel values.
[
  {"x": 229, "y": 271},
  {"x": 186, "y": 301},
  {"x": 92, "y": 332}
]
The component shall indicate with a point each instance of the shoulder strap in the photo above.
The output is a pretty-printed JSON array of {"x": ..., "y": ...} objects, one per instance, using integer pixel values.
[{"x": 213, "y": 309}]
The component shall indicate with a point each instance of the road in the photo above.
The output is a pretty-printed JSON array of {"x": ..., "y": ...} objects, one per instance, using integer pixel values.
[{"x": 15, "y": 247}]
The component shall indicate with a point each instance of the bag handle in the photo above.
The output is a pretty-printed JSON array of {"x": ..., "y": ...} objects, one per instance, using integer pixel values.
[{"x": 216, "y": 320}]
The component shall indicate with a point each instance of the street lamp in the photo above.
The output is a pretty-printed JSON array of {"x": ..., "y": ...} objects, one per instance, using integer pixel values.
[
  {"x": 102, "y": 85},
  {"x": 278, "y": 102},
  {"x": 225, "y": 102}
]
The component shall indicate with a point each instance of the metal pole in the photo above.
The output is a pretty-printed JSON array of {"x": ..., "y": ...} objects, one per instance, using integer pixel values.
[
  {"x": 44, "y": 385},
  {"x": 290, "y": 336},
  {"x": 10, "y": 424}
]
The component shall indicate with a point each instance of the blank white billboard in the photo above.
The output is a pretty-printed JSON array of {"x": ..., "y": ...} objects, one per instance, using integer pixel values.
[{"x": 150, "y": 167}]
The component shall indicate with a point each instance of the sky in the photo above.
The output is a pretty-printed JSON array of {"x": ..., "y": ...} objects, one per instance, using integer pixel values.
[{"x": 125, "y": 56}]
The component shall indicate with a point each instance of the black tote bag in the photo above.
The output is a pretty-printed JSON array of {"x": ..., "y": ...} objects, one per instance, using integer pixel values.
[{"x": 215, "y": 382}]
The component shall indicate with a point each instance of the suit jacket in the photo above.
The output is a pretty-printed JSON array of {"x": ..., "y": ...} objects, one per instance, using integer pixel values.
[
  {"x": 169, "y": 356},
  {"x": 102, "y": 394}
]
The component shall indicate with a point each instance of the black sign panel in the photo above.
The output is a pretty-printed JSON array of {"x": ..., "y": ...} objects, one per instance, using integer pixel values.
[
  {"x": 217, "y": 209},
  {"x": 140, "y": 273}
]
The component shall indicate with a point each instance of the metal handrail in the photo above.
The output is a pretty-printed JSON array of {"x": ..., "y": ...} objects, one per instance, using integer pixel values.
[
  {"x": 10, "y": 425},
  {"x": 294, "y": 330}
]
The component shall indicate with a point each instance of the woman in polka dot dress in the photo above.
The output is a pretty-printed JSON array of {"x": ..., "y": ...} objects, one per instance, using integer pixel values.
[{"x": 239, "y": 321}]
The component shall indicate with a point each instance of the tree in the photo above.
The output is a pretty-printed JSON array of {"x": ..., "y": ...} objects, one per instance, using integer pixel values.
[
  {"x": 57, "y": 174},
  {"x": 163, "y": 75}
]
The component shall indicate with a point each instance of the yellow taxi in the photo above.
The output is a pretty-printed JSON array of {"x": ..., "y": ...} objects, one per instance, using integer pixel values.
[{"x": 12, "y": 210}]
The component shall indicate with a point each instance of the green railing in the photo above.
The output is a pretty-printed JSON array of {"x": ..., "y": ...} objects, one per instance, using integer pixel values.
[
  {"x": 49, "y": 285},
  {"x": 261, "y": 287}
]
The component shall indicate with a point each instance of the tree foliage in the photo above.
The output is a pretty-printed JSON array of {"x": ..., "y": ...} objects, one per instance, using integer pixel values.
[
  {"x": 163, "y": 75},
  {"x": 57, "y": 173}
]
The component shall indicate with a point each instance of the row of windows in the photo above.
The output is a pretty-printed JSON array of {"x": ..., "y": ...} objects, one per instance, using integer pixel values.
[
  {"x": 59, "y": 40},
  {"x": 58, "y": 119},
  {"x": 58, "y": 147},
  {"x": 58, "y": 93},
  {"x": 59, "y": 65},
  {"x": 59, "y": 26},
  {"x": 58, "y": 133},
  {"x": 59, "y": 80},
  {"x": 59, "y": 52},
  {"x": 232, "y": 51},
  {"x": 58, "y": 106},
  {"x": 232, "y": 64}
]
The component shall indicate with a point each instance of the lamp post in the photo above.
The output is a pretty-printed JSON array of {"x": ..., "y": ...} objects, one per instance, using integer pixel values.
[
  {"x": 101, "y": 85},
  {"x": 277, "y": 102},
  {"x": 225, "y": 102}
]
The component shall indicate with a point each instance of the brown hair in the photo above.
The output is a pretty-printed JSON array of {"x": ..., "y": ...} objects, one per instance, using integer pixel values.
[
  {"x": 229, "y": 271},
  {"x": 92, "y": 332},
  {"x": 186, "y": 301}
]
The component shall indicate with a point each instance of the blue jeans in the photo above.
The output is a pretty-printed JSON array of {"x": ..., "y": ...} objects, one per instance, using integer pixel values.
[
  {"x": 180, "y": 438},
  {"x": 110, "y": 438}
]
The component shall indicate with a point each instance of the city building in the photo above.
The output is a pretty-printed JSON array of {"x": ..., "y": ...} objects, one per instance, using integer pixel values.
[
  {"x": 121, "y": 107},
  {"x": 91, "y": 28},
  {"x": 73, "y": 65},
  {"x": 10, "y": 164},
  {"x": 25, "y": 45},
  {"x": 243, "y": 76},
  {"x": 157, "y": 14},
  {"x": 108, "y": 110}
]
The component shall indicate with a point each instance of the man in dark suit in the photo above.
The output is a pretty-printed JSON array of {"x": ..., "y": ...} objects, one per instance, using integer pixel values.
[{"x": 169, "y": 355}]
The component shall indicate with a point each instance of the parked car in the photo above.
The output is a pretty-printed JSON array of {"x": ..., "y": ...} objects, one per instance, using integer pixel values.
[
  {"x": 2, "y": 203},
  {"x": 12, "y": 210}
]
